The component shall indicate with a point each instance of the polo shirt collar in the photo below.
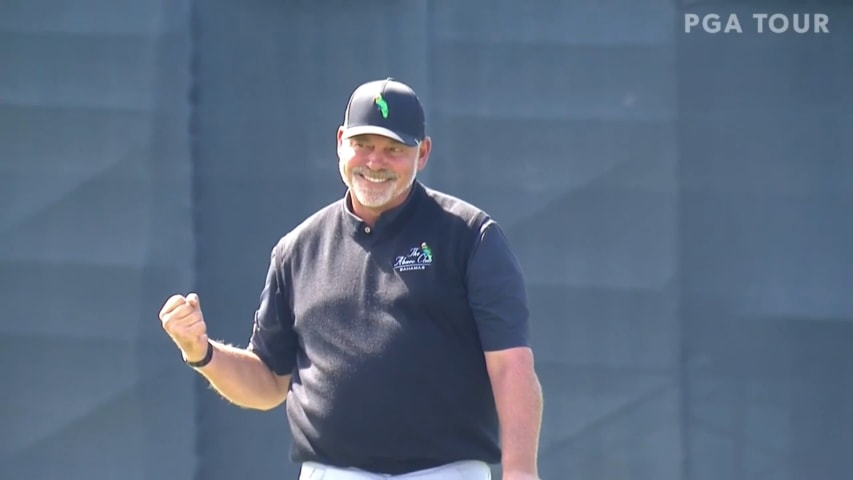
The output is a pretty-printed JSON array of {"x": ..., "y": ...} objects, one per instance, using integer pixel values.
[{"x": 387, "y": 218}]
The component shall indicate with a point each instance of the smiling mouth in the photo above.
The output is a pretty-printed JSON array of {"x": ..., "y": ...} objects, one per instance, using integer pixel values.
[{"x": 375, "y": 179}]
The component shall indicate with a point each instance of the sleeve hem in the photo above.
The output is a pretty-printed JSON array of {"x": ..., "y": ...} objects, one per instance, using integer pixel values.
[{"x": 279, "y": 368}]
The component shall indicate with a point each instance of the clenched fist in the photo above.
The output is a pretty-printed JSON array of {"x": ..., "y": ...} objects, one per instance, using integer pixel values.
[{"x": 182, "y": 320}]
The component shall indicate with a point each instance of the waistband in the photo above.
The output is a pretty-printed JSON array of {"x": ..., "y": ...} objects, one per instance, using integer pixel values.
[{"x": 462, "y": 470}]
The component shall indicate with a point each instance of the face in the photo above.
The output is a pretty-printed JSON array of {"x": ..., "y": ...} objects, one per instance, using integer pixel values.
[{"x": 378, "y": 170}]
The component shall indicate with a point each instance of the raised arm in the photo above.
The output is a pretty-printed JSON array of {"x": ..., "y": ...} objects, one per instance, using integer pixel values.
[{"x": 256, "y": 377}]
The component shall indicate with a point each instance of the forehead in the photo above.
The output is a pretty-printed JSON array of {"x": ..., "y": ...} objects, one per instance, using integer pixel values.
[{"x": 374, "y": 139}]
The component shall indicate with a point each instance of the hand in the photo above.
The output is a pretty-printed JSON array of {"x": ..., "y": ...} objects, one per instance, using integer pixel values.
[{"x": 181, "y": 318}]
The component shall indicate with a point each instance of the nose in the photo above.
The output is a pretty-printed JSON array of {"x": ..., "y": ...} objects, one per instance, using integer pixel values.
[{"x": 375, "y": 160}]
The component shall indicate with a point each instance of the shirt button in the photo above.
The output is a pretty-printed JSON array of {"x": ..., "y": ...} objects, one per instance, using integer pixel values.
[{"x": 366, "y": 229}]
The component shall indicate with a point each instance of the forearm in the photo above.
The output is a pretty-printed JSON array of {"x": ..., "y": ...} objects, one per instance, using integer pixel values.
[
  {"x": 518, "y": 398},
  {"x": 243, "y": 379}
]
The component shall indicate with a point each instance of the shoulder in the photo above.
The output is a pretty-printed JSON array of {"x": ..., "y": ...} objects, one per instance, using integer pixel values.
[
  {"x": 311, "y": 227},
  {"x": 458, "y": 209}
]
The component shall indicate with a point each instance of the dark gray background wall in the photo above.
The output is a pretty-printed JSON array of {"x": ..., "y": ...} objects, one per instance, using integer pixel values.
[
  {"x": 765, "y": 136},
  {"x": 681, "y": 204}
]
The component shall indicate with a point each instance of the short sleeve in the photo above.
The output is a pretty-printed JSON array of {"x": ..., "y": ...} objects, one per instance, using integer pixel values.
[
  {"x": 497, "y": 292},
  {"x": 273, "y": 339}
]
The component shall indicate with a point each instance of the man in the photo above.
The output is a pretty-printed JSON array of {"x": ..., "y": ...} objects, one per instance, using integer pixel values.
[{"x": 393, "y": 322}]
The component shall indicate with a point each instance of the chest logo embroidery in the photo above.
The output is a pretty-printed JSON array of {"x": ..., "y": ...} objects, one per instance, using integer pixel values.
[{"x": 417, "y": 258}]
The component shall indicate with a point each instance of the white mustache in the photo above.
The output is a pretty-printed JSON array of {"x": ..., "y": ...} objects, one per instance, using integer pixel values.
[{"x": 384, "y": 174}]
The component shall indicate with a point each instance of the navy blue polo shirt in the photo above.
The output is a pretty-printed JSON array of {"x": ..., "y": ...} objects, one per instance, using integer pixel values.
[{"x": 383, "y": 329}]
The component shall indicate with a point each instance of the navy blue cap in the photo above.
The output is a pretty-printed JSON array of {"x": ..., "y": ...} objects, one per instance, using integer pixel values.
[{"x": 385, "y": 107}]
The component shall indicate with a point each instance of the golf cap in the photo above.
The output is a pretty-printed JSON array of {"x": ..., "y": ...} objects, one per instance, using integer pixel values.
[{"x": 388, "y": 108}]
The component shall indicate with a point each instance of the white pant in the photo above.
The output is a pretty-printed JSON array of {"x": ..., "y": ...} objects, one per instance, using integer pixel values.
[{"x": 465, "y": 470}]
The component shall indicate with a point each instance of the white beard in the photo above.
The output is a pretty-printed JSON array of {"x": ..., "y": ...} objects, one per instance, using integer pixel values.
[{"x": 375, "y": 195}]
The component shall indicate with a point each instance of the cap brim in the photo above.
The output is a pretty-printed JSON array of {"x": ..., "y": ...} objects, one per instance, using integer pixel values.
[{"x": 374, "y": 130}]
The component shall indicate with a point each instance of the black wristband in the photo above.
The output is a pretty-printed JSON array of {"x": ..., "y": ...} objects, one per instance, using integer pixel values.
[{"x": 208, "y": 356}]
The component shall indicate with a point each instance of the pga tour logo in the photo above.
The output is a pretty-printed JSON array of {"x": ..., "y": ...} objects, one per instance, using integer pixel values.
[{"x": 757, "y": 22}]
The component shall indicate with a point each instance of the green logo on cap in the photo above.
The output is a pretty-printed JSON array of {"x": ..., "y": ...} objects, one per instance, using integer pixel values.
[{"x": 381, "y": 105}]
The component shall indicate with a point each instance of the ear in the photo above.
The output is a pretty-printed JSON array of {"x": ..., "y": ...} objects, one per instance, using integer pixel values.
[
  {"x": 339, "y": 140},
  {"x": 424, "y": 150}
]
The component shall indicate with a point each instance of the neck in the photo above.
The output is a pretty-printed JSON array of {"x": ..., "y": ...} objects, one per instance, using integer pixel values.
[
  {"x": 370, "y": 215},
  {"x": 367, "y": 215}
]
